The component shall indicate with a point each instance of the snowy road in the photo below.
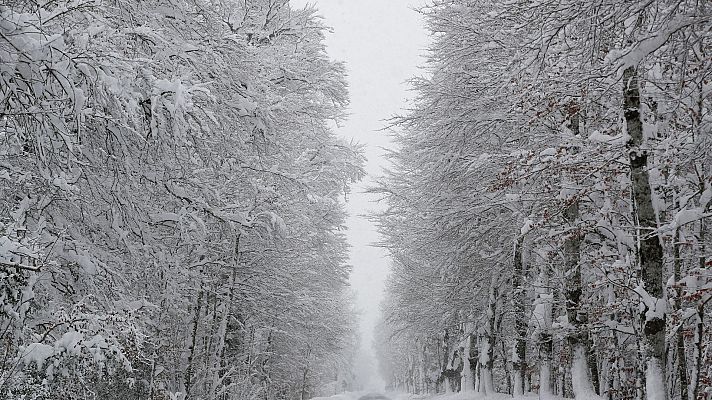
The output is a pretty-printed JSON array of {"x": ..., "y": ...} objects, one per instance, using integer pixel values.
[
  {"x": 449, "y": 396},
  {"x": 365, "y": 396},
  {"x": 374, "y": 396}
]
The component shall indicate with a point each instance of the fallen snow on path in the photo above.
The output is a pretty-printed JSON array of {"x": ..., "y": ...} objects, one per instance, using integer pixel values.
[
  {"x": 336, "y": 397},
  {"x": 342, "y": 396},
  {"x": 408, "y": 396},
  {"x": 480, "y": 396},
  {"x": 460, "y": 396},
  {"x": 453, "y": 396}
]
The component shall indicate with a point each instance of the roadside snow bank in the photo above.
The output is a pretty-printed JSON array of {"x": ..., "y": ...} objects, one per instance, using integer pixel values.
[
  {"x": 455, "y": 396},
  {"x": 477, "y": 396}
]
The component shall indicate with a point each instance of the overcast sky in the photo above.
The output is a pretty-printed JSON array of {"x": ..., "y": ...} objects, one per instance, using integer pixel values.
[{"x": 381, "y": 42}]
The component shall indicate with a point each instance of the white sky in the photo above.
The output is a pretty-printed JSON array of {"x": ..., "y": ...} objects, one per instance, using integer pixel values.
[{"x": 381, "y": 42}]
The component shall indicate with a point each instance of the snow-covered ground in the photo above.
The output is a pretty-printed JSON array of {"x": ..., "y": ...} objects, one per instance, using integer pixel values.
[{"x": 451, "y": 396}]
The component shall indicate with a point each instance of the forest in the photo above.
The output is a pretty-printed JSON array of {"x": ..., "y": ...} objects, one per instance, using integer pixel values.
[
  {"x": 172, "y": 203},
  {"x": 548, "y": 208},
  {"x": 171, "y": 213}
]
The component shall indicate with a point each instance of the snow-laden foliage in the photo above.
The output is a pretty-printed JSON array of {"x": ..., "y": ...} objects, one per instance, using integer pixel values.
[
  {"x": 549, "y": 205},
  {"x": 170, "y": 213}
]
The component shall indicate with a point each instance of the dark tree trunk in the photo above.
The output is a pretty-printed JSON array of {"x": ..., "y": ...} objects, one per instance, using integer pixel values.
[
  {"x": 698, "y": 352},
  {"x": 444, "y": 378},
  {"x": 544, "y": 337},
  {"x": 679, "y": 339},
  {"x": 650, "y": 252},
  {"x": 488, "y": 342},
  {"x": 578, "y": 339},
  {"x": 519, "y": 362}
]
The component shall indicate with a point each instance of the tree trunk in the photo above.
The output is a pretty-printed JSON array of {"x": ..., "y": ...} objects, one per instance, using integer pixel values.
[
  {"x": 467, "y": 383},
  {"x": 193, "y": 340},
  {"x": 615, "y": 361},
  {"x": 593, "y": 367},
  {"x": 507, "y": 371},
  {"x": 561, "y": 381},
  {"x": 650, "y": 250},
  {"x": 265, "y": 378},
  {"x": 488, "y": 342},
  {"x": 445, "y": 362},
  {"x": 698, "y": 350},
  {"x": 543, "y": 319},
  {"x": 473, "y": 359},
  {"x": 478, "y": 369},
  {"x": 546, "y": 349},
  {"x": 582, "y": 375},
  {"x": 679, "y": 338},
  {"x": 304, "y": 384},
  {"x": 519, "y": 363}
]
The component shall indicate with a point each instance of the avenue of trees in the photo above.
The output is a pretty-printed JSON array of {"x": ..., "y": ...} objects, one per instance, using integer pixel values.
[
  {"x": 549, "y": 208},
  {"x": 171, "y": 201}
]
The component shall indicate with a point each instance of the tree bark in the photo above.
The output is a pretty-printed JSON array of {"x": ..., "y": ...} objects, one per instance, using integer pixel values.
[
  {"x": 544, "y": 328},
  {"x": 467, "y": 383},
  {"x": 519, "y": 363},
  {"x": 304, "y": 384},
  {"x": 679, "y": 339},
  {"x": 578, "y": 338},
  {"x": 445, "y": 362},
  {"x": 650, "y": 252},
  {"x": 193, "y": 340},
  {"x": 488, "y": 342},
  {"x": 698, "y": 351}
]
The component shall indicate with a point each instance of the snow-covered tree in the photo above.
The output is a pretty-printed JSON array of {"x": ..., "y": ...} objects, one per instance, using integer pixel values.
[
  {"x": 170, "y": 215},
  {"x": 539, "y": 183}
]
